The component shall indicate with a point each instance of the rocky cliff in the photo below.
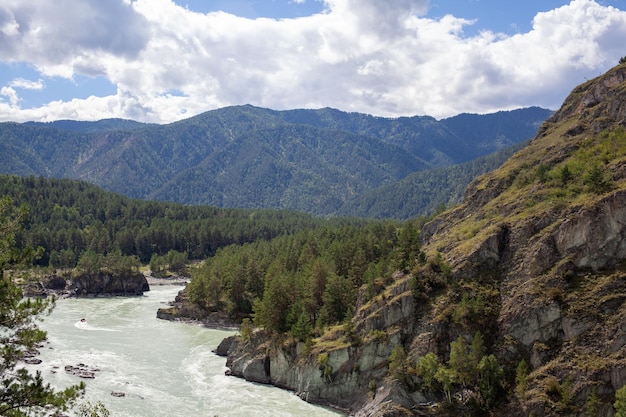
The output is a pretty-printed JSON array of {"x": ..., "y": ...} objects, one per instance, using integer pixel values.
[
  {"x": 533, "y": 259},
  {"x": 89, "y": 285},
  {"x": 104, "y": 284},
  {"x": 181, "y": 309}
]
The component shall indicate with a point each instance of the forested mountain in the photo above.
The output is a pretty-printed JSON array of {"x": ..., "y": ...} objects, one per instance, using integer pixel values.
[
  {"x": 424, "y": 192},
  {"x": 317, "y": 161},
  {"x": 90, "y": 127}
]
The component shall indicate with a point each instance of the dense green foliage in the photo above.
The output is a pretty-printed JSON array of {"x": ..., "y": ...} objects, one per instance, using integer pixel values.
[
  {"x": 22, "y": 393},
  {"x": 172, "y": 262},
  {"x": 423, "y": 193},
  {"x": 620, "y": 402},
  {"x": 469, "y": 368},
  {"x": 317, "y": 161},
  {"x": 305, "y": 281},
  {"x": 104, "y": 125},
  {"x": 69, "y": 218},
  {"x": 113, "y": 263}
]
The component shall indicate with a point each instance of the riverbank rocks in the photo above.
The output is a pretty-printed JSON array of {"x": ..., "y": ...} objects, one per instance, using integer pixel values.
[
  {"x": 334, "y": 372},
  {"x": 226, "y": 346},
  {"x": 182, "y": 309},
  {"x": 82, "y": 371}
]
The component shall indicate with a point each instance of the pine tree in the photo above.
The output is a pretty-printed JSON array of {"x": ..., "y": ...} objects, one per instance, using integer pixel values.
[
  {"x": 427, "y": 367},
  {"x": 521, "y": 374},
  {"x": 21, "y": 392},
  {"x": 596, "y": 181},
  {"x": 491, "y": 380}
]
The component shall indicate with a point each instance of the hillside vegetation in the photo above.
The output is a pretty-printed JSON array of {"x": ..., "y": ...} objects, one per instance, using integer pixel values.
[
  {"x": 68, "y": 218},
  {"x": 324, "y": 162},
  {"x": 423, "y": 193},
  {"x": 512, "y": 303}
]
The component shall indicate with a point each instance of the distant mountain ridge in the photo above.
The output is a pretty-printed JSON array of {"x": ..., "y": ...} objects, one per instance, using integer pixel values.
[
  {"x": 317, "y": 161},
  {"x": 91, "y": 127}
]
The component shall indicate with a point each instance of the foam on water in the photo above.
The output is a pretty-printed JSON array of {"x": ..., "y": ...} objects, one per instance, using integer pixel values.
[{"x": 83, "y": 325}]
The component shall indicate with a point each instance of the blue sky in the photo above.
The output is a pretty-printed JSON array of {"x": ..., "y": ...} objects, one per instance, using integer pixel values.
[{"x": 163, "y": 60}]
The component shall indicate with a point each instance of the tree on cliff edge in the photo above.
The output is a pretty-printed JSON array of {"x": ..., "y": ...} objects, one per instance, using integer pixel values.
[{"x": 21, "y": 392}]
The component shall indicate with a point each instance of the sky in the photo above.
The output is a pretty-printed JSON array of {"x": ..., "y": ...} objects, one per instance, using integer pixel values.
[{"x": 160, "y": 61}]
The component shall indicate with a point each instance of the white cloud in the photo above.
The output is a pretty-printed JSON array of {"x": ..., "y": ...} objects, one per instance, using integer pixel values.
[
  {"x": 374, "y": 56},
  {"x": 56, "y": 35},
  {"x": 11, "y": 94},
  {"x": 27, "y": 84}
]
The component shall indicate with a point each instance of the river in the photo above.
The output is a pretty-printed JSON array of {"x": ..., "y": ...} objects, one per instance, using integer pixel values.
[{"x": 163, "y": 368}]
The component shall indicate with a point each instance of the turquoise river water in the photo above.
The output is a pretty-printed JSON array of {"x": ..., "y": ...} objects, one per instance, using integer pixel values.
[{"x": 163, "y": 368}]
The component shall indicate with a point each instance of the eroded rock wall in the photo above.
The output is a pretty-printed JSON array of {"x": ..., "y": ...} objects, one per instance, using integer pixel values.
[{"x": 103, "y": 284}]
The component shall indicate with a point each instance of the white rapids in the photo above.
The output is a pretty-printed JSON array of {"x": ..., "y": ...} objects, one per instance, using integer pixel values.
[{"x": 162, "y": 368}]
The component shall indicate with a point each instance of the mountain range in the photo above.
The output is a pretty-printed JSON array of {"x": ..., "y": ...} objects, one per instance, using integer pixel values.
[{"x": 324, "y": 162}]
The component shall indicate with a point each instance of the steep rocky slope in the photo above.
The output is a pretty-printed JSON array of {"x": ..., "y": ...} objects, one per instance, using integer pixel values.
[{"x": 533, "y": 259}]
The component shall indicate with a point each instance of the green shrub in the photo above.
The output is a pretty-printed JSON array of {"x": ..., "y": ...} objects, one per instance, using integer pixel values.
[
  {"x": 427, "y": 367},
  {"x": 596, "y": 180},
  {"x": 521, "y": 374},
  {"x": 541, "y": 173},
  {"x": 325, "y": 367},
  {"x": 246, "y": 329},
  {"x": 565, "y": 175},
  {"x": 398, "y": 364},
  {"x": 592, "y": 404},
  {"x": 379, "y": 335},
  {"x": 620, "y": 402}
]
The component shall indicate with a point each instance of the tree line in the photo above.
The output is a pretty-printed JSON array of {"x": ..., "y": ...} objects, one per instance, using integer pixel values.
[{"x": 69, "y": 218}]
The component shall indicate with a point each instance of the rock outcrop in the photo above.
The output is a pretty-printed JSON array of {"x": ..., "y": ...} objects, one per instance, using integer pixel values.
[
  {"x": 82, "y": 371},
  {"x": 344, "y": 375},
  {"x": 181, "y": 309},
  {"x": 88, "y": 285},
  {"x": 103, "y": 284}
]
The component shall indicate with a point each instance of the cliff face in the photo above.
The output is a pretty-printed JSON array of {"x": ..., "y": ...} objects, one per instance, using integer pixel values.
[
  {"x": 346, "y": 368},
  {"x": 89, "y": 285},
  {"x": 103, "y": 284},
  {"x": 533, "y": 259}
]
